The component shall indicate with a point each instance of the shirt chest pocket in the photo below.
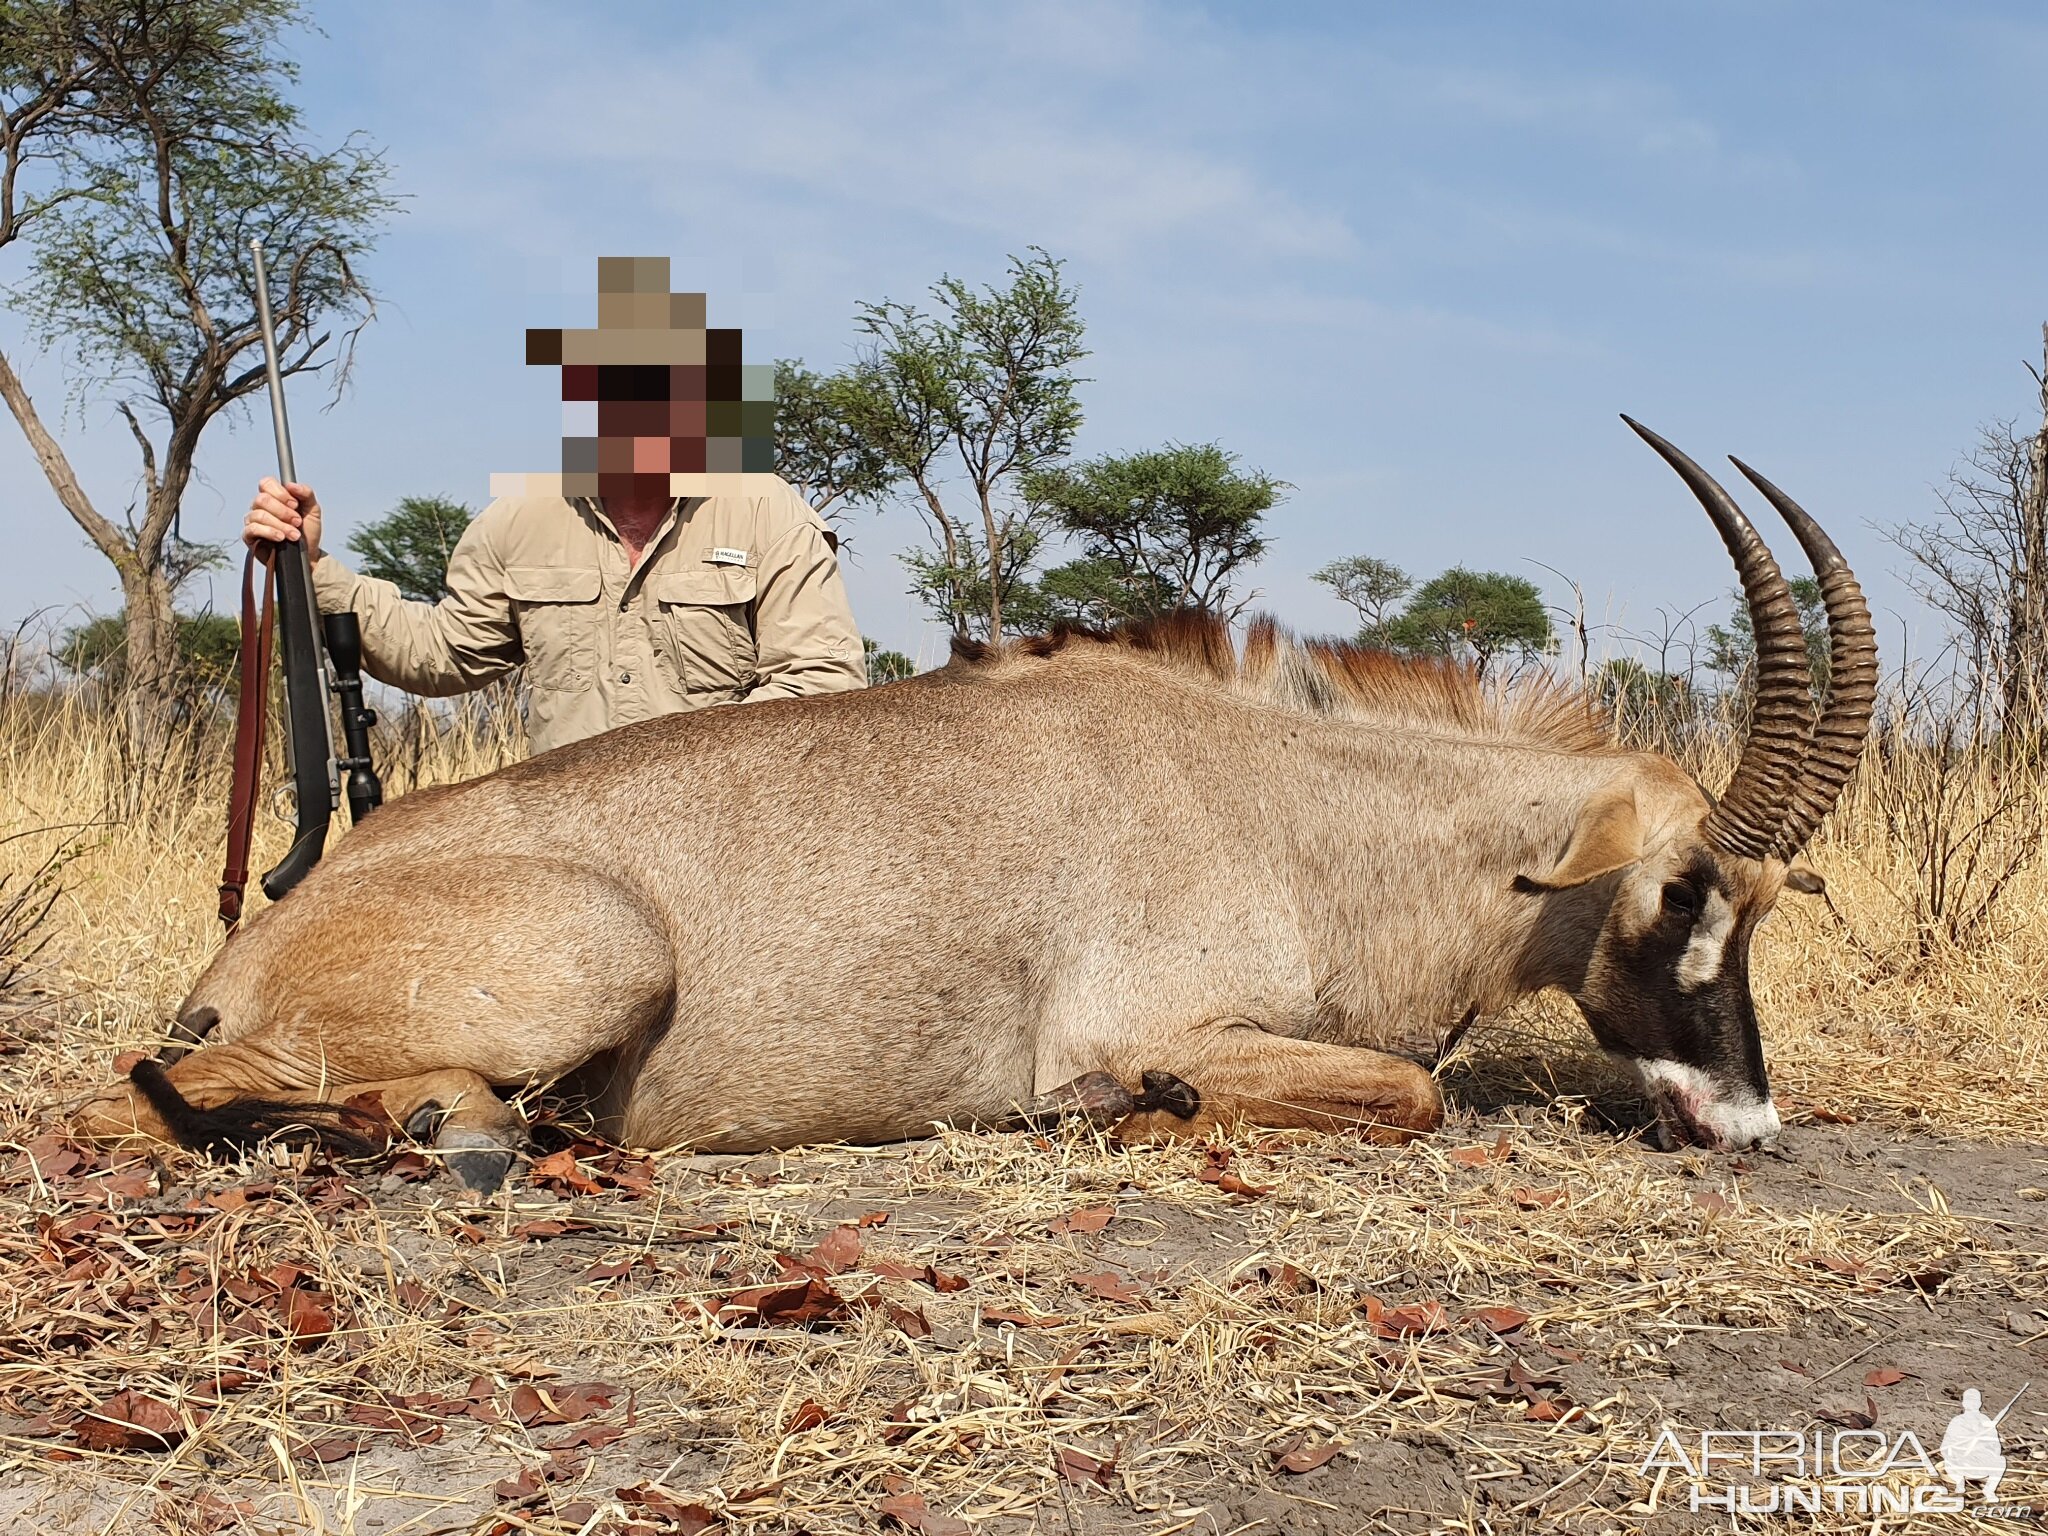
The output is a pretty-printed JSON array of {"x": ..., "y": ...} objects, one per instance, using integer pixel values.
[
  {"x": 556, "y": 609},
  {"x": 705, "y": 632}
]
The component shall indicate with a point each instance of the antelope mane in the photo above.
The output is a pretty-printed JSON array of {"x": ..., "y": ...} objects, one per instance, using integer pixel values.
[{"x": 1329, "y": 678}]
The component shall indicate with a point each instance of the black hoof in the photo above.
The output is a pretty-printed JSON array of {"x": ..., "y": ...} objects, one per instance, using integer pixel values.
[
  {"x": 1162, "y": 1090},
  {"x": 425, "y": 1120},
  {"x": 477, "y": 1160}
]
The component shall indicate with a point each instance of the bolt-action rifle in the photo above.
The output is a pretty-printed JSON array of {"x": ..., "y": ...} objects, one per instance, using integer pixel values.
[{"x": 312, "y": 670}]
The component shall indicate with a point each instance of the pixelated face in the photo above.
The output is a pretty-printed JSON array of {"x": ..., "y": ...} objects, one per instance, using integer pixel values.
[{"x": 654, "y": 392}]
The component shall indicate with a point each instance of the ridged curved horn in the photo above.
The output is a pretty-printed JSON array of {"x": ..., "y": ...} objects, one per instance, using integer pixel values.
[
  {"x": 1839, "y": 734},
  {"x": 1750, "y": 813}
]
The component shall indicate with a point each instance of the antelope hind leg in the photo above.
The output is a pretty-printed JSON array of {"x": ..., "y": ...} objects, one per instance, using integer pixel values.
[
  {"x": 479, "y": 1132},
  {"x": 1244, "y": 1073}
]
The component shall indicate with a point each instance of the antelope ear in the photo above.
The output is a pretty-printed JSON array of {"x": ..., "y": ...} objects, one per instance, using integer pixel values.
[
  {"x": 1806, "y": 880},
  {"x": 1609, "y": 836}
]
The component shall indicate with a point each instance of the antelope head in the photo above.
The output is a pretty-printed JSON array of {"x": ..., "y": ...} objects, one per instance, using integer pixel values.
[{"x": 1677, "y": 883}]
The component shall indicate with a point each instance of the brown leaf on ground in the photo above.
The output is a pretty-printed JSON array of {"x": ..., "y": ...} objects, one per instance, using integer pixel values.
[
  {"x": 1549, "y": 1410},
  {"x": 652, "y": 1502},
  {"x": 558, "y": 1171},
  {"x": 942, "y": 1282},
  {"x": 1500, "y": 1319},
  {"x": 593, "y": 1437},
  {"x": 1828, "y": 1116},
  {"x": 910, "y": 1511},
  {"x": 1089, "y": 1218},
  {"x": 1108, "y": 1284},
  {"x": 128, "y": 1421},
  {"x": 1852, "y": 1418},
  {"x": 1416, "y": 1317},
  {"x": 910, "y": 1319},
  {"x": 1215, "y": 1170},
  {"x": 1883, "y": 1376},
  {"x": 873, "y": 1219},
  {"x": 837, "y": 1252},
  {"x": 308, "y": 1316},
  {"x": 333, "y": 1448},
  {"x": 1076, "y": 1466},
  {"x": 1535, "y": 1199},
  {"x": 1717, "y": 1204},
  {"x": 802, "y": 1305},
  {"x": 1300, "y": 1455},
  {"x": 809, "y": 1415},
  {"x": 540, "y": 1231}
]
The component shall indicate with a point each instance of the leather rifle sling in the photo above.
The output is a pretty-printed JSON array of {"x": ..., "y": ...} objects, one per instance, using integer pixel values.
[{"x": 251, "y": 720}]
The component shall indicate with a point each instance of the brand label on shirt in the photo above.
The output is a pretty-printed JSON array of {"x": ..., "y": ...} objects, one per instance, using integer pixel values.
[{"x": 727, "y": 557}]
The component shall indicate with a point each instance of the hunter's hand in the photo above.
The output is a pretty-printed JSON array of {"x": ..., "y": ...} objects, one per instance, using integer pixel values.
[{"x": 284, "y": 514}]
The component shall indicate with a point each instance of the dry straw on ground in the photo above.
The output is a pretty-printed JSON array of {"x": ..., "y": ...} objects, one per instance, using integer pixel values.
[{"x": 1015, "y": 1332}]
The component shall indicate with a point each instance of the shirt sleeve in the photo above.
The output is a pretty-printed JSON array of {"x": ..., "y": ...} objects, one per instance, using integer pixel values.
[
  {"x": 462, "y": 642},
  {"x": 805, "y": 640}
]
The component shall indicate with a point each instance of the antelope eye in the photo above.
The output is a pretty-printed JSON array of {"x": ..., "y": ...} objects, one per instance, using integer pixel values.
[{"x": 1681, "y": 899}]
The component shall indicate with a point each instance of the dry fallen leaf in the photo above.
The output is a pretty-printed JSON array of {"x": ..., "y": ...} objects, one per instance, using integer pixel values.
[
  {"x": 1500, "y": 1319},
  {"x": 910, "y": 1511},
  {"x": 1090, "y": 1218},
  {"x": 1883, "y": 1376},
  {"x": 1109, "y": 1285},
  {"x": 1299, "y": 1456},
  {"x": 128, "y": 1421},
  {"x": 1535, "y": 1199},
  {"x": 838, "y": 1252}
]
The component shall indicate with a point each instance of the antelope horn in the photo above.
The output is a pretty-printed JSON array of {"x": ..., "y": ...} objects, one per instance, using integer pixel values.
[
  {"x": 1838, "y": 735},
  {"x": 1747, "y": 819}
]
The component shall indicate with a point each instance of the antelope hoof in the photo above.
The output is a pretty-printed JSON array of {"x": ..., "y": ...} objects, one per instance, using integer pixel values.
[
  {"x": 421, "y": 1124},
  {"x": 1173, "y": 1095},
  {"x": 478, "y": 1160}
]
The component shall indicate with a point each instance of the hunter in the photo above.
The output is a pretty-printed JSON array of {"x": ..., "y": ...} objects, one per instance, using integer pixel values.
[{"x": 666, "y": 568}]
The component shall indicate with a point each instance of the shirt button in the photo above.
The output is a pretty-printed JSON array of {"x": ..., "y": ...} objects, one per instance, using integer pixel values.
[{"x": 625, "y": 677}]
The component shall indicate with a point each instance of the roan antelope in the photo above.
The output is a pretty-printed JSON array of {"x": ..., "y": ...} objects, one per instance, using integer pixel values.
[{"x": 1136, "y": 874}]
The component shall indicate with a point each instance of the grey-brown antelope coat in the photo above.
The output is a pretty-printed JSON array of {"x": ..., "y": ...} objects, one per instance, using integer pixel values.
[{"x": 980, "y": 890}]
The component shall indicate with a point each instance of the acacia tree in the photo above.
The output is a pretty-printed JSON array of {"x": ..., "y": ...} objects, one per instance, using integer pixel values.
[
  {"x": 1170, "y": 528},
  {"x": 1371, "y": 587},
  {"x": 410, "y": 545},
  {"x": 145, "y": 143},
  {"x": 1483, "y": 614},
  {"x": 1985, "y": 563},
  {"x": 820, "y": 448},
  {"x": 982, "y": 390}
]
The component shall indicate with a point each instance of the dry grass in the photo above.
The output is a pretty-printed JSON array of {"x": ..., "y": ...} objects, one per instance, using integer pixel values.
[{"x": 1338, "y": 1303}]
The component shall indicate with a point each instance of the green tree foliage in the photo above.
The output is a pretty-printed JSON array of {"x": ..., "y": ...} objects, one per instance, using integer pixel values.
[
  {"x": 820, "y": 448},
  {"x": 1731, "y": 648},
  {"x": 410, "y": 545},
  {"x": 1371, "y": 586},
  {"x": 146, "y": 142},
  {"x": 209, "y": 645},
  {"x": 1169, "y": 528},
  {"x": 978, "y": 392},
  {"x": 1481, "y": 614},
  {"x": 886, "y": 666}
]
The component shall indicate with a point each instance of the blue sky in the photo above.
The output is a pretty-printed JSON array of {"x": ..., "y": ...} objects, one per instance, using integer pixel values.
[{"x": 1413, "y": 260}]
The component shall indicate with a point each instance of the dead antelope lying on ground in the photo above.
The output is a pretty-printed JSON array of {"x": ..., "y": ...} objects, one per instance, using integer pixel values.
[{"x": 1131, "y": 874}]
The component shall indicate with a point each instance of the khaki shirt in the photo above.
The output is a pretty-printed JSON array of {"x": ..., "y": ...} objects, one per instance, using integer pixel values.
[{"x": 737, "y": 596}]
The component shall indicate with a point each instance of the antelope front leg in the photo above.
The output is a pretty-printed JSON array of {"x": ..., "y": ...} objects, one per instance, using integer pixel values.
[{"x": 1241, "y": 1072}]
